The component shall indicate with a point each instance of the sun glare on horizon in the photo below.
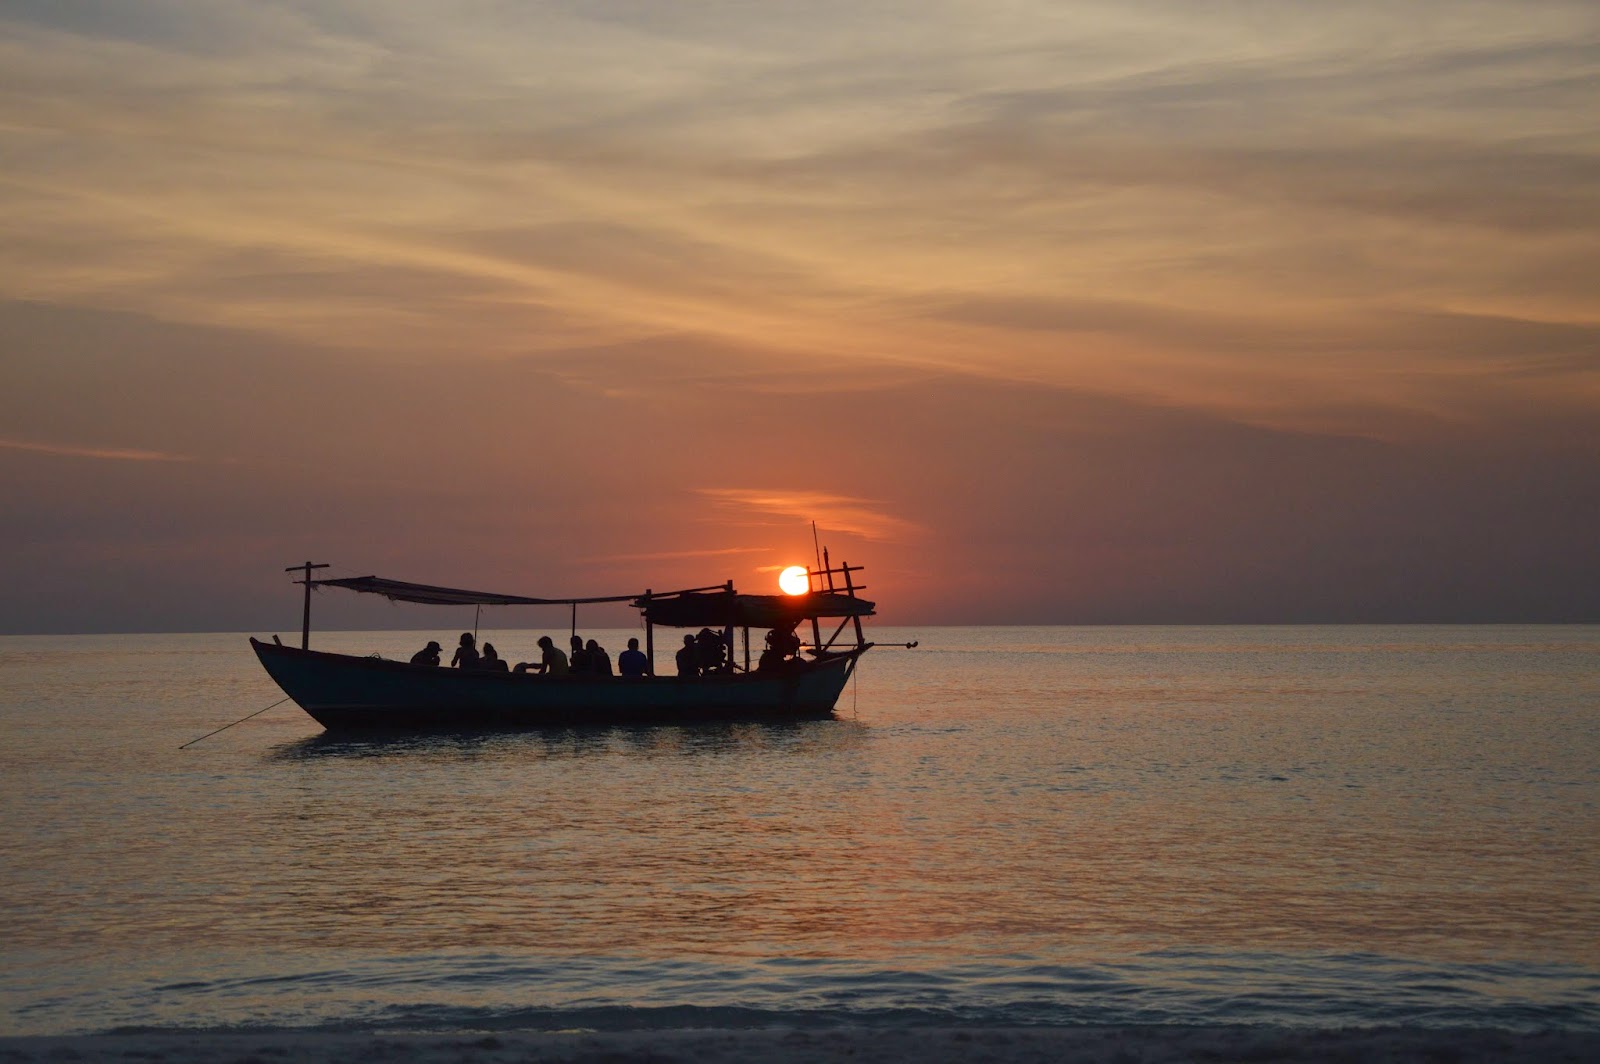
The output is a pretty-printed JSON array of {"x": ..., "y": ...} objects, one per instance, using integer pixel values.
[{"x": 795, "y": 580}]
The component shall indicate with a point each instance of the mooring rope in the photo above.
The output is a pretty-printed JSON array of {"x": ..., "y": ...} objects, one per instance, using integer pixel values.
[{"x": 241, "y": 720}]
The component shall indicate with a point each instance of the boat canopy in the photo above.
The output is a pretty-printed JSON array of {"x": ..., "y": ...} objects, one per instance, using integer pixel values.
[
  {"x": 427, "y": 594},
  {"x": 721, "y": 609},
  {"x": 699, "y": 607}
]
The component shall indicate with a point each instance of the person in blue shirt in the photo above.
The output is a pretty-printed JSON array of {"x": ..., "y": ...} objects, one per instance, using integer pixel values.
[{"x": 632, "y": 662}]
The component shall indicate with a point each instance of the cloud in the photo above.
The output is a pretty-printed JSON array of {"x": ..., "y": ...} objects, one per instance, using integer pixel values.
[
  {"x": 835, "y": 513},
  {"x": 116, "y": 454},
  {"x": 654, "y": 556}
]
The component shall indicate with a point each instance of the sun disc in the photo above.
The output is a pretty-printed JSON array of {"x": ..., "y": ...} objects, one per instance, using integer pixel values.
[{"x": 794, "y": 580}]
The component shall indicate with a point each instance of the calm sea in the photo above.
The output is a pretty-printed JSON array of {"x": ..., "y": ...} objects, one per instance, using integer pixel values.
[{"x": 1314, "y": 826}]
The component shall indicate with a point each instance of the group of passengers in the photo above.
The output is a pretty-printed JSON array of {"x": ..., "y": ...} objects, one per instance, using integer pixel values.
[
  {"x": 703, "y": 654},
  {"x": 586, "y": 658},
  {"x": 707, "y": 653},
  {"x": 467, "y": 655}
]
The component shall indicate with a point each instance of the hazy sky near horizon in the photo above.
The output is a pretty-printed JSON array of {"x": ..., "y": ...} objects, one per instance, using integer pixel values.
[{"x": 1046, "y": 312}]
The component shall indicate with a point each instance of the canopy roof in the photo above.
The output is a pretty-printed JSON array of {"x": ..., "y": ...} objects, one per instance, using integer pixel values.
[
  {"x": 721, "y": 609},
  {"x": 698, "y": 607},
  {"x": 400, "y": 591}
]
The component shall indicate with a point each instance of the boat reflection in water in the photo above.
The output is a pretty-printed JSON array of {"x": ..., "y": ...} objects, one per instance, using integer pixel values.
[
  {"x": 345, "y": 692},
  {"x": 697, "y": 739}
]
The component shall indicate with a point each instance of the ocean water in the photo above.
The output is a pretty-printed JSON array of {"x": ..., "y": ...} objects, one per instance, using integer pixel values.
[{"x": 1304, "y": 826}]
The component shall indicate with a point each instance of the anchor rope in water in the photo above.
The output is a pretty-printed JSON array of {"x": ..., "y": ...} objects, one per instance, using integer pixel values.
[{"x": 241, "y": 720}]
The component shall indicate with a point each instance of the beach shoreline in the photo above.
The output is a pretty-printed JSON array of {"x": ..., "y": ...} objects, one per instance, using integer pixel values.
[{"x": 1153, "y": 1044}]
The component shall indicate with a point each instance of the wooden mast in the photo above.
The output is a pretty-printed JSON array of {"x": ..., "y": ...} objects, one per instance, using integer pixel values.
[
  {"x": 305, "y": 619},
  {"x": 649, "y": 637},
  {"x": 727, "y": 630}
]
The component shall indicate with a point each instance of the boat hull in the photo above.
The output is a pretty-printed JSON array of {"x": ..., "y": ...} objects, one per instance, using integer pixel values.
[{"x": 343, "y": 692}]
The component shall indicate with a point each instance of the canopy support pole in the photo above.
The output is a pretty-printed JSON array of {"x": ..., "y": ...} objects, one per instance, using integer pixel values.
[
  {"x": 850, "y": 589},
  {"x": 305, "y": 619},
  {"x": 727, "y": 638},
  {"x": 649, "y": 638}
]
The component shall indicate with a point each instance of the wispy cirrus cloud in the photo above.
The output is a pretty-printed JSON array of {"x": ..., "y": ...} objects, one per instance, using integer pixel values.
[
  {"x": 117, "y": 454},
  {"x": 668, "y": 555},
  {"x": 839, "y": 513}
]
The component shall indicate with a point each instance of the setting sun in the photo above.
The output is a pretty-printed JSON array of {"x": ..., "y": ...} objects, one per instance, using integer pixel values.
[{"x": 795, "y": 580}]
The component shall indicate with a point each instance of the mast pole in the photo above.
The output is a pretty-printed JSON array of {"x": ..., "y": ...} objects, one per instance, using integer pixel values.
[
  {"x": 649, "y": 637},
  {"x": 727, "y": 629},
  {"x": 305, "y": 618}
]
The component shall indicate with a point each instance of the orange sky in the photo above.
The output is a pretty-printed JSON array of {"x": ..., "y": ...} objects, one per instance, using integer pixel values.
[{"x": 1045, "y": 312}]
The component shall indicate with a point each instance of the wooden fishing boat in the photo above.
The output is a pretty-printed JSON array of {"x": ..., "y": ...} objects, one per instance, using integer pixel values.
[{"x": 344, "y": 691}]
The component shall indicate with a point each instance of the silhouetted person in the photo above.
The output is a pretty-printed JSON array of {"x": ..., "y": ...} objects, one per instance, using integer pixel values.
[
  {"x": 596, "y": 659},
  {"x": 466, "y": 656},
  {"x": 579, "y": 658},
  {"x": 689, "y": 657},
  {"x": 491, "y": 660},
  {"x": 782, "y": 644},
  {"x": 428, "y": 655},
  {"x": 712, "y": 651},
  {"x": 552, "y": 662},
  {"x": 632, "y": 662}
]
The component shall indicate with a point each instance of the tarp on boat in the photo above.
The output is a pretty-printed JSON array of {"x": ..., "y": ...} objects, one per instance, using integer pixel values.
[
  {"x": 721, "y": 609},
  {"x": 694, "y": 608},
  {"x": 429, "y": 595}
]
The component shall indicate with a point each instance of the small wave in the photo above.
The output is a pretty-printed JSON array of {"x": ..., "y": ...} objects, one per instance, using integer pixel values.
[{"x": 444, "y": 993}]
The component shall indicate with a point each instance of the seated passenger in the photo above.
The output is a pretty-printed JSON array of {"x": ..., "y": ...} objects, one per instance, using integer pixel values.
[
  {"x": 466, "y": 656},
  {"x": 596, "y": 659},
  {"x": 491, "y": 660},
  {"x": 782, "y": 645},
  {"x": 784, "y": 641},
  {"x": 713, "y": 652},
  {"x": 632, "y": 662},
  {"x": 689, "y": 657},
  {"x": 578, "y": 659},
  {"x": 428, "y": 655},
  {"x": 552, "y": 662}
]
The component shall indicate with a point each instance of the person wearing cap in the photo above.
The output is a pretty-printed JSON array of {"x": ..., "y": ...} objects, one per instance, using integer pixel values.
[{"x": 428, "y": 655}]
